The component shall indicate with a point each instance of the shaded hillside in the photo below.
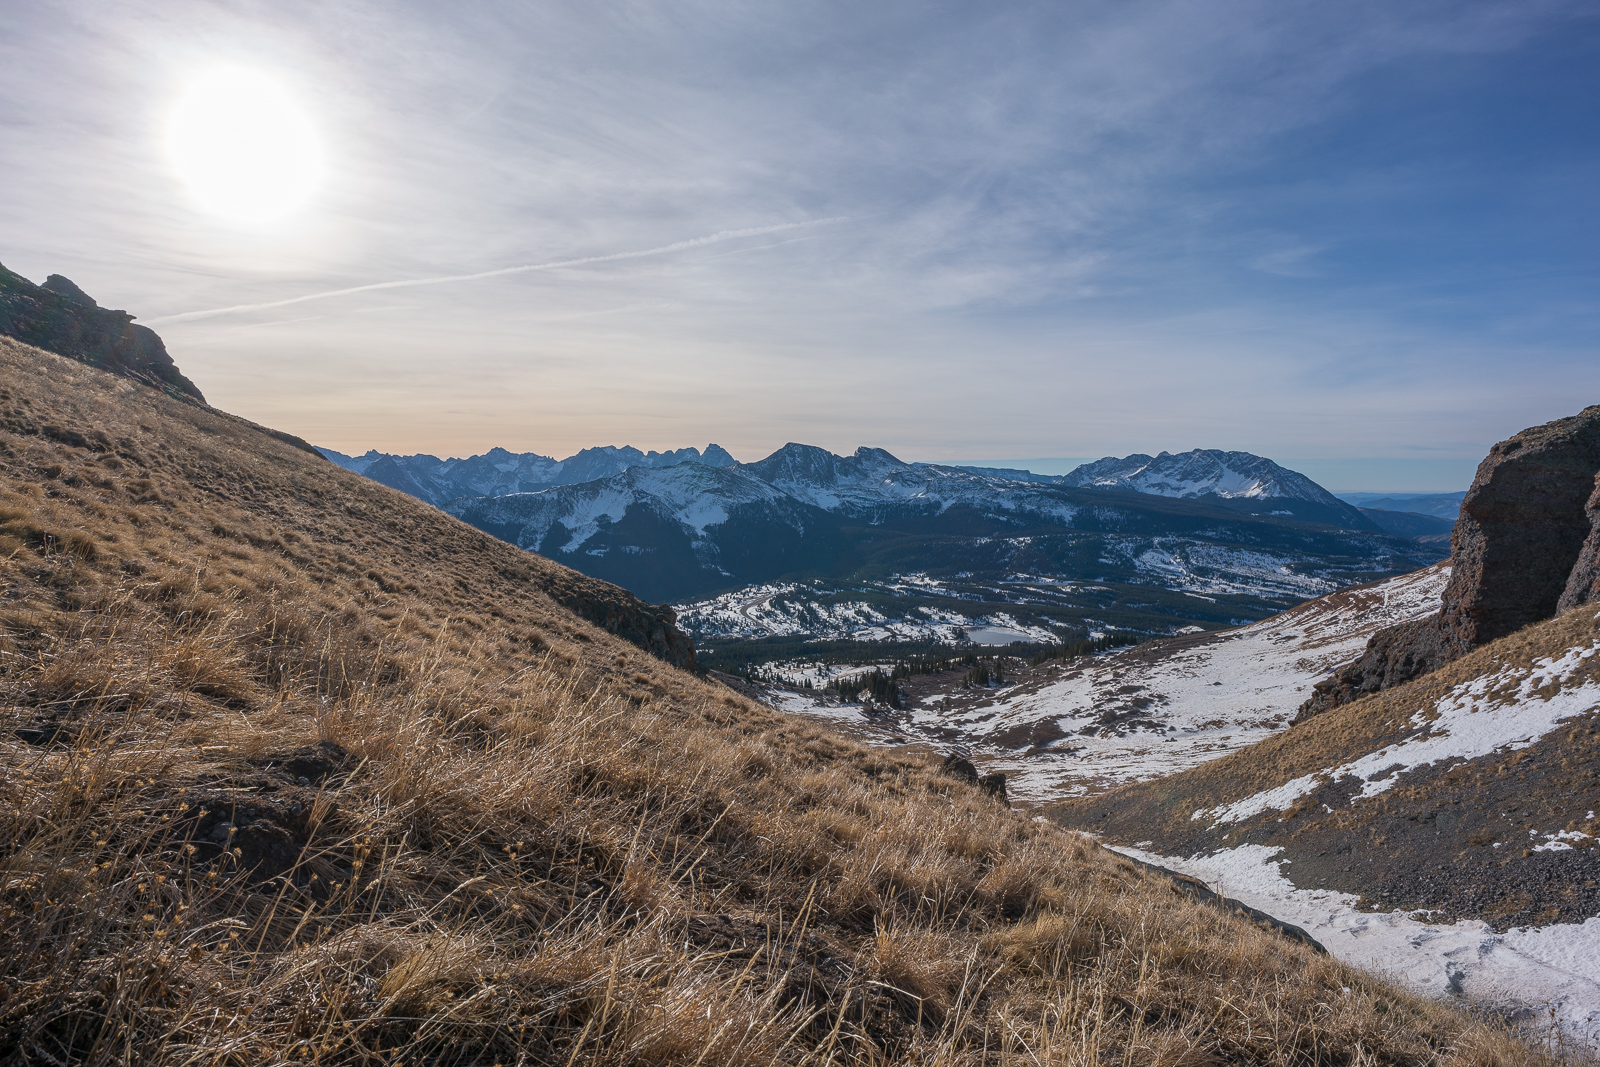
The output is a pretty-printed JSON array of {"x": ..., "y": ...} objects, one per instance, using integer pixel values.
[
  {"x": 1471, "y": 792},
  {"x": 296, "y": 769},
  {"x": 61, "y": 318},
  {"x": 1526, "y": 545},
  {"x": 1410, "y": 524}
]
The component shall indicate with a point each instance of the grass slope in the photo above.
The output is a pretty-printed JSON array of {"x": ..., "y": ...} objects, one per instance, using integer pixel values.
[
  {"x": 1458, "y": 836},
  {"x": 293, "y": 769}
]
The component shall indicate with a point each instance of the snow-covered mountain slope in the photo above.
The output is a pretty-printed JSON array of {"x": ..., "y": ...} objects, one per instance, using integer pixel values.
[
  {"x": 1064, "y": 729},
  {"x": 871, "y": 482},
  {"x": 905, "y": 608},
  {"x": 1472, "y": 791},
  {"x": 1230, "y": 476},
  {"x": 691, "y": 495},
  {"x": 497, "y": 472},
  {"x": 804, "y": 512},
  {"x": 1197, "y": 473},
  {"x": 1532, "y": 977},
  {"x": 1447, "y": 830}
]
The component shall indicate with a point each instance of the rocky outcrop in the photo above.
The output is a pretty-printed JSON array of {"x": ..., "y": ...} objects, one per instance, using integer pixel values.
[
  {"x": 1583, "y": 584},
  {"x": 1526, "y": 546},
  {"x": 61, "y": 318},
  {"x": 653, "y": 627},
  {"x": 994, "y": 785}
]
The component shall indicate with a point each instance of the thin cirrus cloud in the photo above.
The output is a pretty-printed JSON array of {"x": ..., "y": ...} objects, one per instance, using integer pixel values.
[
  {"x": 1298, "y": 229},
  {"x": 406, "y": 283}
]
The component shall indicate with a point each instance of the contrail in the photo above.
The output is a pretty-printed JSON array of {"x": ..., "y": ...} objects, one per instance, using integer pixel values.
[{"x": 678, "y": 246}]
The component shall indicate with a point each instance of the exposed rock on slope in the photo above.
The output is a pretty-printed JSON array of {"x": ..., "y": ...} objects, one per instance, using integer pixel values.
[
  {"x": 1519, "y": 553},
  {"x": 1583, "y": 584},
  {"x": 61, "y": 318}
]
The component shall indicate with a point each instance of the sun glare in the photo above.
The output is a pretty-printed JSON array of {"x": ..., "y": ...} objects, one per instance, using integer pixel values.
[{"x": 245, "y": 149}]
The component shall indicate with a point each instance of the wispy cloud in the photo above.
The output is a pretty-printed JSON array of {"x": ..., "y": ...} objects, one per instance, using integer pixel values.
[
  {"x": 1069, "y": 226},
  {"x": 447, "y": 279}
]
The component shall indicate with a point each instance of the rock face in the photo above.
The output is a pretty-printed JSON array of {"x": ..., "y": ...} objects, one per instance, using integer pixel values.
[
  {"x": 1583, "y": 584},
  {"x": 653, "y": 627},
  {"x": 1527, "y": 545},
  {"x": 61, "y": 318}
]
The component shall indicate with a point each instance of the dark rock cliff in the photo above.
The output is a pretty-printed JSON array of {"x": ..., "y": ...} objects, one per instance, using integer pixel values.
[
  {"x": 653, "y": 627},
  {"x": 61, "y": 318},
  {"x": 1526, "y": 546},
  {"x": 1583, "y": 584}
]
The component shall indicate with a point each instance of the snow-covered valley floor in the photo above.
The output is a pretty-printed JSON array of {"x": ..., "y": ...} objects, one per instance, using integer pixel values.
[
  {"x": 1544, "y": 980},
  {"x": 1066, "y": 730}
]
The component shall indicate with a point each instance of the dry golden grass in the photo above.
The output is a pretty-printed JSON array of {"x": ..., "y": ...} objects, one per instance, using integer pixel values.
[{"x": 294, "y": 769}]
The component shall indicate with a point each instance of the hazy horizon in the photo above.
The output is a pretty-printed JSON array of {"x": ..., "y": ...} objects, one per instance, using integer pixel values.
[{"x": 1357, "y": 239}]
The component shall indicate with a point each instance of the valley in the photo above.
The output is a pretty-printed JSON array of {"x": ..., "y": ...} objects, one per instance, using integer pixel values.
[
  {"x": 1118, "y": 667},
  {"x": 1083, "y": 725}
]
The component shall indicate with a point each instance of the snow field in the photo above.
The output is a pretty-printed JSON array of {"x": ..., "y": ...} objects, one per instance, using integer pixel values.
[
  {"x": 1506, "y": 710},
  {"x": 1537, "y": 976}
]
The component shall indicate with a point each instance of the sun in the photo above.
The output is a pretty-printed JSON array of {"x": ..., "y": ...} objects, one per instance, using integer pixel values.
[{"x": 246, "y": 150}]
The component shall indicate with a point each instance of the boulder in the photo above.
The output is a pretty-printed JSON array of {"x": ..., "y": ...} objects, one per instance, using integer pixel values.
[
  {"x": 1522, "y": 528},
  {"x": 958, "y": 766},
  {"x": 1526, "y": 545}
]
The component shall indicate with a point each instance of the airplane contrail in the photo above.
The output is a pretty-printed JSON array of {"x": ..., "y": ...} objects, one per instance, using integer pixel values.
[{"x": 677, "y": 246}]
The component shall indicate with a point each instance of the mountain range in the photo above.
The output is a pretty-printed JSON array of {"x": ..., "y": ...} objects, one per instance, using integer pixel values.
[
  {"x": 690, "y": 530},
  {"x": 439, "y": 481}
]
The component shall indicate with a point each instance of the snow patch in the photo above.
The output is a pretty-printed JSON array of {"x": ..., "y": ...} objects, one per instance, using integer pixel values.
[
  {"x": 1534, "y": 974},
  {"x": 1506, "y": 710}
]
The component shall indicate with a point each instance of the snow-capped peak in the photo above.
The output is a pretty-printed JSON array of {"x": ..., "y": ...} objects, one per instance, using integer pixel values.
[{"x": 1201, "y": 472}]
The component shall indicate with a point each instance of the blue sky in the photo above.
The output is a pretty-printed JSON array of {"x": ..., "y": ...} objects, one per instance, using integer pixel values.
[{"x": 1358, "y": 238}]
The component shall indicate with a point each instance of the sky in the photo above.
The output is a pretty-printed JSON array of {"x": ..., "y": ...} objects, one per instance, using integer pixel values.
[{"x": 1359, "y": 238}]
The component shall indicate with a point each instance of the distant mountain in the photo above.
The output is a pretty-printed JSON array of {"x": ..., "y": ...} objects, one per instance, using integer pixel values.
[
  {"x": 690, "y": 531},
  {"x": 1239, "y": 478},
  {"x": 496, "y": 472},
  {"x": 1439, "y": 505}
]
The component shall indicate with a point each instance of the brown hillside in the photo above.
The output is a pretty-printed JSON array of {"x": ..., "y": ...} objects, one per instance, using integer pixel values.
[
  {"x": 295, "y": 769},
  {"x": 1456, "y": 836}
]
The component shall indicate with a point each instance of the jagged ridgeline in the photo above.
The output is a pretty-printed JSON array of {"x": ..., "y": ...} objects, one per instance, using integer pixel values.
[
  {"x": 810, "y": 547},
  {"x": 61, "y": 318},
  {"x": 297, "y": 769}
]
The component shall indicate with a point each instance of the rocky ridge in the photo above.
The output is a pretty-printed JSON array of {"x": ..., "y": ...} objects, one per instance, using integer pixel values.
[
  {"x": 1526, "y": 546},
  {"x": 61, "y": 318}
]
